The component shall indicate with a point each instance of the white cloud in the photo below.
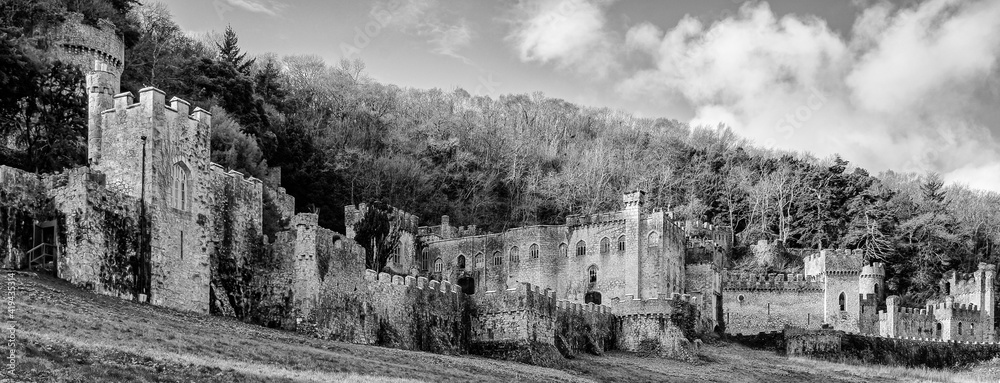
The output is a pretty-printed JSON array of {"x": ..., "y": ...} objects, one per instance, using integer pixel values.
[
  {"x": 424, "y": 18},
  {"x": 268, "y": 7},
  {"x": 569, "y": 33},
  {"x": 911, "y": 89}
]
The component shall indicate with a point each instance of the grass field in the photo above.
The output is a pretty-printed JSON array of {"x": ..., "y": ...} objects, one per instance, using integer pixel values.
[{"x": 64, "y": 334}]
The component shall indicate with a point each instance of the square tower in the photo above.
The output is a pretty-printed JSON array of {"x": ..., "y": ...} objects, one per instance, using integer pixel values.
[{"x": 159, "y": 154}]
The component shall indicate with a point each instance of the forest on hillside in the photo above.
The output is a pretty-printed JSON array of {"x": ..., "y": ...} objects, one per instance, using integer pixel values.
[{"x": 342, "y": 138}]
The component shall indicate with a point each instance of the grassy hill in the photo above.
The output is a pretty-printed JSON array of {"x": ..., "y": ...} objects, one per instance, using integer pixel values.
[{"x": 64, "y": 334}]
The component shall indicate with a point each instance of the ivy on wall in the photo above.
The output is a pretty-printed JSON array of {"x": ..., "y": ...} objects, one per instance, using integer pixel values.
[
  {"x": 22, "y": 202},
  {"x": 125, "y": 267},
  {"x": 243, "y": 265}
]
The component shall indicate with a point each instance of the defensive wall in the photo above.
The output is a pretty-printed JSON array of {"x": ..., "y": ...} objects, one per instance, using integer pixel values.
[
  {"x": 23, "y": 201},
  {"x": 767, "y": 302},
  {"x": 901, "y": 351}
]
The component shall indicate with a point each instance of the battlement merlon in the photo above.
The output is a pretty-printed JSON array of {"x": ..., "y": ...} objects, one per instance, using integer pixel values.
[
  {"x": 662, "y": 304},
  {"x": 153, "y": 102},
  {"x": 876, "y": 269},
  {"x": 523, "y": 297}
]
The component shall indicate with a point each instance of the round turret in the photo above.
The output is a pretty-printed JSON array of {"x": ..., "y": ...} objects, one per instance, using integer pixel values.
[
  {"x": 100, "y": 53},
  {"x": 84, "y": 44},
  {"x": 872, "y": 279}
]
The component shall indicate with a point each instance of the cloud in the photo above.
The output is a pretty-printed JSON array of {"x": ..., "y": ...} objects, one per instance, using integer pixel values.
[
  {"x": 911, "y": 88},
  {"x": 267, "y": 7},
  {"x": 571, "y": 34},
  {"x": 425, "y": 18}
]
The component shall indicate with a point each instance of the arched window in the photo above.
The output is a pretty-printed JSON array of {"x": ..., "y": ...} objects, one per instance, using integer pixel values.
[
  {"x": 592, "y": 271},
  {"x": 563, "y": 250},
  {"x": 621, "y": 244},
  {"x": 581, "y": 248},
  {"x": 654, "y": 239},
  {"x": 959, "y": 328},
  {"x": 741, "y": 298},
  {"x": 876, "y": 290},
  {"x": 180, "y": 188},
  {"x": 843, "y": 301},
  {"x": 514, "y": 257},
  {"x": 972, "y": 329},
  {"x": 497, "y": 259},
  {"x": 438, "y": 268},
  {"x": 461, "y": 262},
  {"x": 424, "y": 255},
  {"x": 592, "y": 297},
  {"x": 479, "y": 262},
  {"x": 938, "y": 327},
  {"x": 605, "y": 246},
  {"x": 947, "y": 288},
  {"x": 533, "y": 250}
]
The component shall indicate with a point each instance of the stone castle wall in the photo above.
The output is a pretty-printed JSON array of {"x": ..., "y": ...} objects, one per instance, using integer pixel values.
[
  {"x": 768, "y": 302},
  {"x": 102, "y": 237}
]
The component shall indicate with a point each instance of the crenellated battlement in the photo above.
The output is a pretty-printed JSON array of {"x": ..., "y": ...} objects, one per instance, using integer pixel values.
[
  {"x": 834, "y": 261},
  {"x": 237, "y": 177},
  {"x": 874, "y": 270},
  {"x": 523, "y": 297},
  {"x": 410, "y": 282},
  {"x": 741, "y": 281},
  {"x": 662, "y": 304},
  {"x": 611, "y": 218},
  {"x": 151, "y": 101}
]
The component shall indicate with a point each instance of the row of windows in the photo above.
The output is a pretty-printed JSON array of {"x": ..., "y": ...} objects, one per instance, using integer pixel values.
[{"x": 533, "y": 251}]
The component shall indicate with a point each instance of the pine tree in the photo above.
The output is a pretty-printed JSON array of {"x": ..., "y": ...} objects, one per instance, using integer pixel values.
[{"x": 229, "y": 52}]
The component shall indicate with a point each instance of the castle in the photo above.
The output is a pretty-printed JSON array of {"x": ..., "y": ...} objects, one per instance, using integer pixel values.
[
  {"x": 152, "y": 219},
  {"x": 838, "y": 291}
]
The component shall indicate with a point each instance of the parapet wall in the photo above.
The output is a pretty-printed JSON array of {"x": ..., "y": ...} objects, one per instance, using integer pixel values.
[
  {"x": 834, "y": 261},
  {"x": 393, "y": 311},
  {"x": 740, "y": 281}
]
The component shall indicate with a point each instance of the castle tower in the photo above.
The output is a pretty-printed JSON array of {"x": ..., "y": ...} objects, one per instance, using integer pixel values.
[
  {"x": 872, "y": 280},
  {"x": 100, "y": 54},
  {"x": 635, "y": 238},
  {"x": 984, "y": 277},
  {"x": 305, "y": 275},
  {"x": 102, "y": 86}
]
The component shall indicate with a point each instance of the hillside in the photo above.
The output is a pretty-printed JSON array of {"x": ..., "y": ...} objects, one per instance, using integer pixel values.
[
  {"x": 496, "y": 161},
  {"x": 65, "y": 334}
]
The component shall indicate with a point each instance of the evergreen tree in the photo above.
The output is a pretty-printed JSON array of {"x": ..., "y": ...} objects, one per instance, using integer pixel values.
[{"x": 229, "y": 52}]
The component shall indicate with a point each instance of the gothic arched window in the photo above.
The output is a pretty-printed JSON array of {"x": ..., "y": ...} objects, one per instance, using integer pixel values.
[
  {"x": 497, "y": 259},
  {"x": 180, "y": 187},
  {"x": 581, "y": 248},
  {"x": 592, "y": 272},
  {"x": 461, "y": 262},
  {"x": 843, "y": 301},
  {"x": 605, "y": 245},
  {"x": 533, "y": 250},
  {"x": 621, "y": 243},
  {"x": 514, "y": 256}
]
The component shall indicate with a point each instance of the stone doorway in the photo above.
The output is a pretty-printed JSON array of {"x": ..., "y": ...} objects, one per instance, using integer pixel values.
[
  {"x": 44, "y": 251},
  {"x": 468, "y": 285}
]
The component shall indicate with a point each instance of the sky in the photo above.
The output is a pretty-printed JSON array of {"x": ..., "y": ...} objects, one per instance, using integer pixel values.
[{"x": 906, "y": 85}]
